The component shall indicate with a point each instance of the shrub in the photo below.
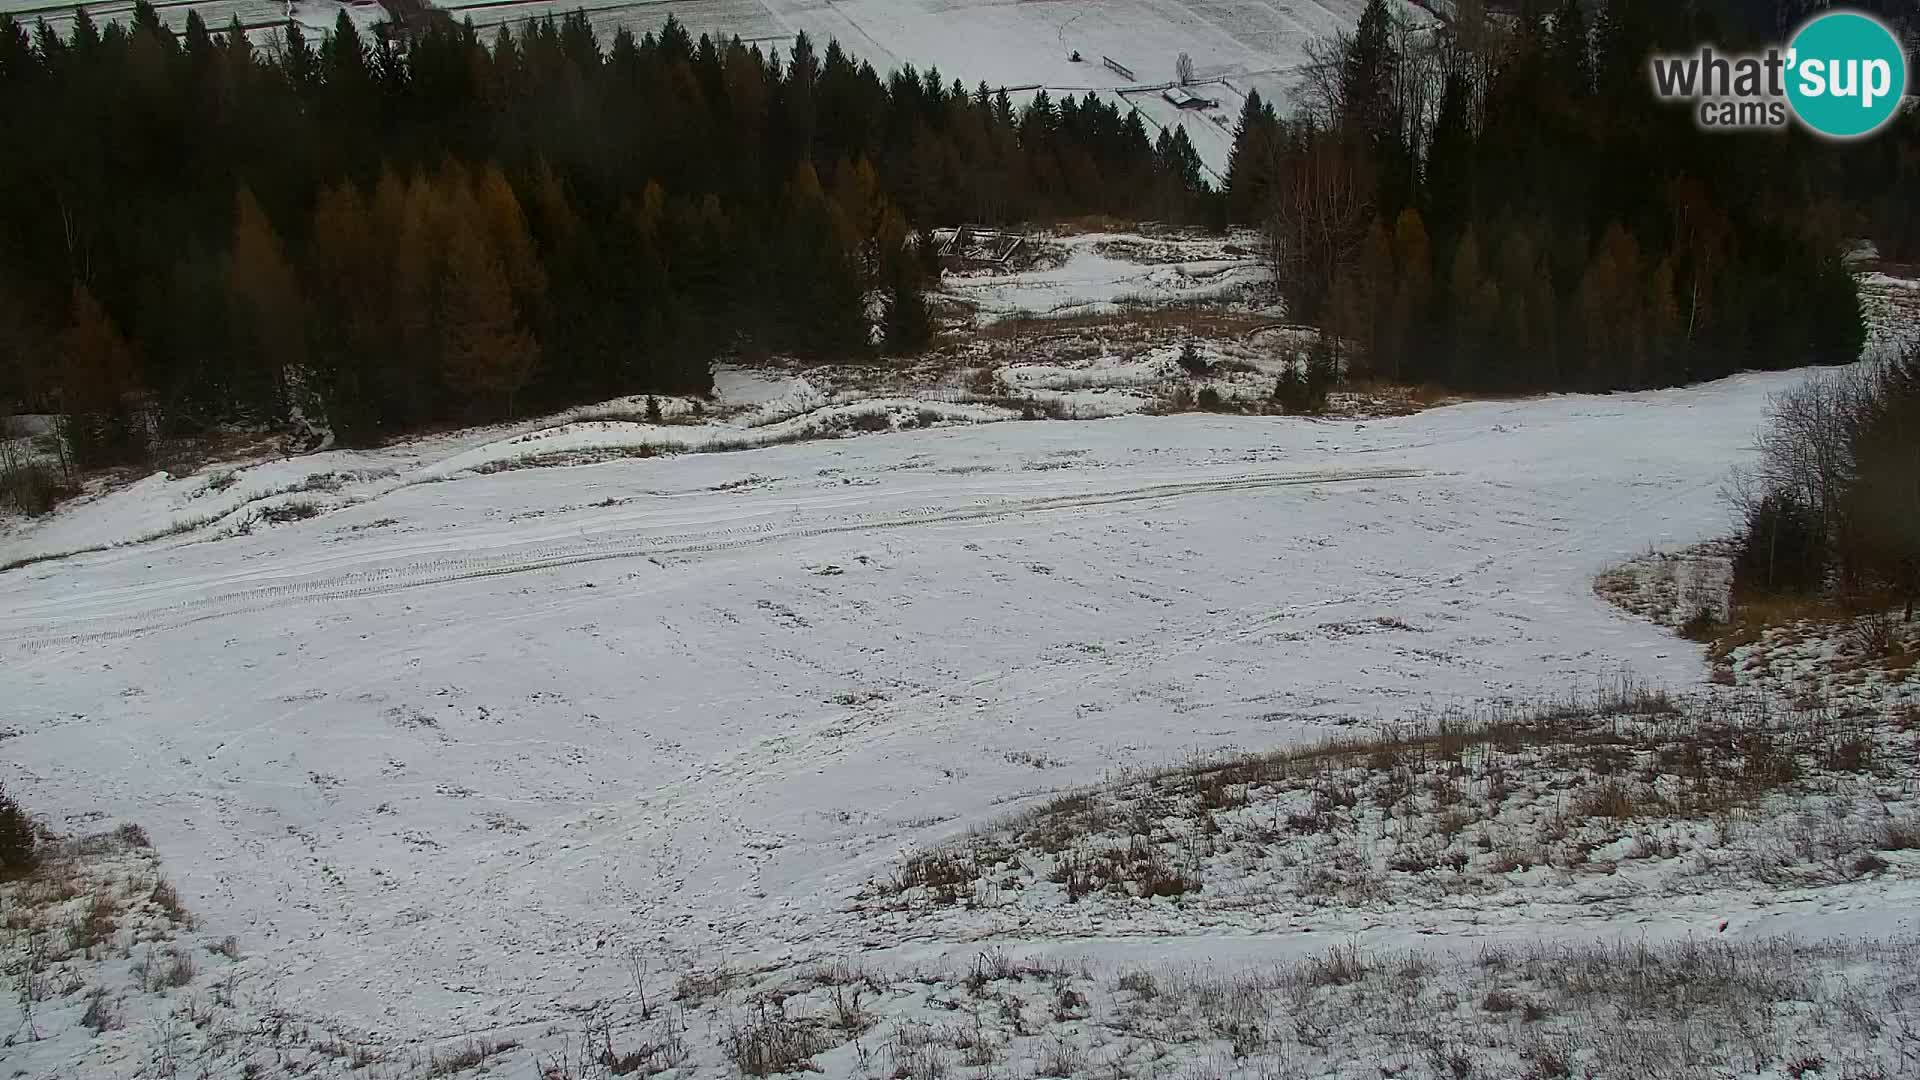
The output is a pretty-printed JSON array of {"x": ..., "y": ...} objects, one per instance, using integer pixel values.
[
  {"x": 1784, "y": 549},
  {"x": 768, "y": 1043},
  {"x": 19, "y": 840},
  {"x": 102, "y": 439},
  {"x": 30, "y": 487},
  {"x": 1323, "y": 371},
  {"x": 167, "y": 899},
  {"x": 101, "y": 1015},
  {"x": 179, "y": 971},
  {"x": 1702, "y": 625},
  {"x": 96, "y": 924},
  {"x": 1191, "y": 361},
  {"x": 297, "y": 510},
  {"x": 1209, "y": 400},
  {"x": 1872, "y": 635},
  {"x": 1290, "y": 390}
]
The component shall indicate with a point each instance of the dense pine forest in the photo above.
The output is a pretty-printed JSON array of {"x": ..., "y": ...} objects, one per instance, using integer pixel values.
[
  {"x": 1507, "y": 207},
  {"x": 201, "y": 231},
  {"x": 462, "y": 229}
]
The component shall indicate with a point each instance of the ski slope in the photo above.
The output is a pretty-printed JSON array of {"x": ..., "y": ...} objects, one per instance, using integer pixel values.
[
  {"x": 259, "y": 17},
  {"x": 442, "y": 757},
  {"x": 1021, "y": 44}
]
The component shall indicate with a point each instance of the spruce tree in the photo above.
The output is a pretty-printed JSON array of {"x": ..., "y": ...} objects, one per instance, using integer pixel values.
[
  {"x": 486, "y": 357},
  {"x": 1322, "y": 374},
  {"x": 270, "y": 317},
  {"x": 909, "y": 325},
  {"x": 1250, "y": 164},
  {"x": 98, "y": 374}
]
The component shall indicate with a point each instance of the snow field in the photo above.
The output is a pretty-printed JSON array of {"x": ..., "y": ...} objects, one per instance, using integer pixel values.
[{"x": 467, "y": 745}]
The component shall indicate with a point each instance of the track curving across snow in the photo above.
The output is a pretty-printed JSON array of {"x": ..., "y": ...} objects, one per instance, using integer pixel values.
[{"x": 84, "y": 630}]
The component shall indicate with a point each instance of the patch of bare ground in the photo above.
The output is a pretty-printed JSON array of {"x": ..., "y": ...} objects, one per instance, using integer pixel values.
[
  {"x": 1630, "y": 793},
  {"x": 1855, "y": 652},
  {"x": 1144, "y": 324},
  {"x": 1775, "y": 1006}
]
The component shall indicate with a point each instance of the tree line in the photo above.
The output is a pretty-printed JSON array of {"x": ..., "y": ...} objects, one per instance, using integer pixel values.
[
  {"x": 387, "y": 233},
  {"x": 390, "y": 234},
  {"x": 1832, "y": 505},
  {"x": 1501, "y": 204}
]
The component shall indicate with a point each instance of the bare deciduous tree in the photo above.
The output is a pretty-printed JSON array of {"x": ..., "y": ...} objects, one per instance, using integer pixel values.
[
  {"x": 1806, "y": 447},
  {"x": 1319, "y": 94},
  {"x": 1845, "y": 445},
  {"x": 1322, "y": 202},
  {"x": 1183, "y": 69}
]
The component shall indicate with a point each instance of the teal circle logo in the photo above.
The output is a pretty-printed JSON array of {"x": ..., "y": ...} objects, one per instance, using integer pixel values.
[{"x": 1846, "y": 74}]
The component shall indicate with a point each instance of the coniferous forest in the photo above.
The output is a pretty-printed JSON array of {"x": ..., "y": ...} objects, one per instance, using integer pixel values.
[
  {"x": 1508, "y": 208},
  {"x": 201, "y": 231},
  {"x": 460, "y": 229}
]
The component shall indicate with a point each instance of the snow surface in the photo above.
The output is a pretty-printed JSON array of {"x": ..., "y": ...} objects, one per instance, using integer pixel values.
[
  {"x": 1024, "y": 46},
  {"x": 441, "y": 756},
  {"x": 1101, "y": 273}
]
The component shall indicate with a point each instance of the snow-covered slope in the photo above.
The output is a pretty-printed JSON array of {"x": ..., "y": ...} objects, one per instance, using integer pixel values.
[
  {"x": 1024, "y": 44},
  {"x": 441, "y": 758}
]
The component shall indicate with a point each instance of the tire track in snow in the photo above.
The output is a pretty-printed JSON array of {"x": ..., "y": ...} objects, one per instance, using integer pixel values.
[{"x": 441, "y": 571}]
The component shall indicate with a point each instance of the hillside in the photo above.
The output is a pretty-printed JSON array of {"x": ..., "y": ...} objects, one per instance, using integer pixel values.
[{"x": 478, "y": 746}]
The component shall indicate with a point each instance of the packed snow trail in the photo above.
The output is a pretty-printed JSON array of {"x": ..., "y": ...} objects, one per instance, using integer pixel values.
[
  {"x": 688, "y": 705},
  {"x": 444, "y": 567}
]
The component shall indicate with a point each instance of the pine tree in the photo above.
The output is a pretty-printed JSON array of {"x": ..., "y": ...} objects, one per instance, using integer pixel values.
[
  {"x": 509, "y": 237},
  {"x": 1250, "y": 163},
  {"x": 927, "y": 250},
  {"x": 1663, "y": 326},
  {"x": 348, "y": 275},
  {"x": 1450, "y": 161},
  {"x": 1367, "y": 72},
  {"x": 1612, "y": 309},
  {"x": 1374, "y": 286},
  {"x": 1473, "y": 301},
  {"x": 97, "y": 374},
  {"x": 909, "y": 325},
  {"x": 486, "y": 357},
  {"x": 1409, "y": 324},
  {"x": 1290, "y": 389},
  {"x": 1323, "y": 372},
  {"x": 297, "y": 61},
  {"x": 270, "y": 319},
  {"x": 825, "y": 308}
]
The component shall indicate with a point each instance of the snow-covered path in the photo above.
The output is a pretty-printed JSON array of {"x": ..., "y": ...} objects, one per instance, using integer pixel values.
[{"x": 465, "y": 744}]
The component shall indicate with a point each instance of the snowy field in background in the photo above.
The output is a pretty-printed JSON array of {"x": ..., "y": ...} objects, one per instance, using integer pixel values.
[
  {"x": 1235, "y": 47},
  {"x": 442, "y": 756},
  {"x": 259, "y": 17}
]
